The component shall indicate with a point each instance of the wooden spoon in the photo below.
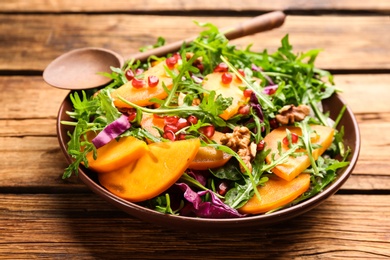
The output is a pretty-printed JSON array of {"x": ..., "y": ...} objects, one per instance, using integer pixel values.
[{"x": 79, "y": 68}]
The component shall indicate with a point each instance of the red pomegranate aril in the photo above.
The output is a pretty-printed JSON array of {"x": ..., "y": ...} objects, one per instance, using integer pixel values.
[
  {"x": 247, "y": 93},
  {"x": 171, "y": 62},
  {"x": 138, "y": 83},
  {"x": 261, "y": 145},
  {"x": 181, "y": 136},
  {"x": 171, "y": 120},
  {"x": 132, "y": 116},
  {"x": 139, "y": 71},
  {"x": 294, "y": 139},
  {"x": 226, "y": 78},
  {"x": 208, "y": 131},
  {"x": 273, "y": 123},
  {"x": 181, "y": 123},
  {"x": 222, "y": 67},
  {"x": 223, "y": 188},
  {"x": 241, "y": 71},
  {"x": 129, "y": 74},
  {"x": 172, "y": 128},
  {"x": 153, "y": 81},
  {"x": 192, "y": 119},
  {"x": 244, "y": 110},
  {"x": 200, "y": 66},
  {"x": 169, "y": 135},
  {"x": 177, "y": 56}
]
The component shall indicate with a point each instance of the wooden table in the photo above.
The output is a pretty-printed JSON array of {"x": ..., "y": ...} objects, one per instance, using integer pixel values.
[{"x": 42, "y": 216}]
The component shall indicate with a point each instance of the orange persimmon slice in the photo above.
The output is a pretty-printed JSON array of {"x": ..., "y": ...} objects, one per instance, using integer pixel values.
[
  {"x": 275, "y": 193},
  {"x": 295, "y": 165},
  {"x": 209, "y": 157},
  {"x": 153, "y": 173},
  {"x": 149, "y": 122},
  {"x": 117, "y": 154},
  {"x": 142, "y": 96},
  {"x": 213, "y": 81}
]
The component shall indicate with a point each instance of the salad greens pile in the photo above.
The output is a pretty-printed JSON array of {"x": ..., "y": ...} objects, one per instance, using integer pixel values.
[{"x": 284, "y": 78}]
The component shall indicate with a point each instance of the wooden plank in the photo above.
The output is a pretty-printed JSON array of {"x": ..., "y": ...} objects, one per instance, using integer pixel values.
[
  {"x": 28, "y": 99},
  {"x": 199, "y": 5},
  {"x": 24, "y": 38},
  {"x": 60, "y": 225}
]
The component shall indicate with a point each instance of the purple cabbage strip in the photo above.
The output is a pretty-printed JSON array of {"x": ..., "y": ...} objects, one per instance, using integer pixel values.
[
  {"x": 258, "y": 69},
  {"x": 255, "y": 104},
  {"x": 269, "y": 90},
  {"x": 111, "y": 131},
  {"x": 256, "y": 107},
  {"x": 198, "y": 176},
  {"x": 210, "y": 209}
]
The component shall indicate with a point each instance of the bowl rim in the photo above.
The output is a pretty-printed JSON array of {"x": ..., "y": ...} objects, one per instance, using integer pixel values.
[{"x": 199, "y": 224}]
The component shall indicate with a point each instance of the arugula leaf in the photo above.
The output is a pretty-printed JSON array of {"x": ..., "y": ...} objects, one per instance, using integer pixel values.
[{"x": 215, "y": 106}]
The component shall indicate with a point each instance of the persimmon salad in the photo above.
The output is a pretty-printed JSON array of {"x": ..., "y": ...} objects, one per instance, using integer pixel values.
[{"x": 210, "y": 131}]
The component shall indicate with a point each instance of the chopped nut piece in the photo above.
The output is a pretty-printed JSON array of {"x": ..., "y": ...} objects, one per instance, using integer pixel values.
[
  {"x": 290, "y": 114},
  {"x": 239, "y": 141}
]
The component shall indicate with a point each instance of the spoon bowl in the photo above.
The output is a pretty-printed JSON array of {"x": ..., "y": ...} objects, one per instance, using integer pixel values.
[
  {"x": 81, "y": 68},
  {"x": 78, "y": 69}
]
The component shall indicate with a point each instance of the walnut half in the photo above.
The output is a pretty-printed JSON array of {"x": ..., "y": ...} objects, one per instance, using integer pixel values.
[
  {"x": 239, "y": 141},
  {"x": 290, "y": 114}
]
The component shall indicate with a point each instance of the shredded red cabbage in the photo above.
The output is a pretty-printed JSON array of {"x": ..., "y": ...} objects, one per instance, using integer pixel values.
[
  {"x": 269, "y": 90},
  {"x": 258, "y": 69},
  {"x": 210, "y": 209},
  {"x": 255, "y": 104},
  {"x": 197, "y": 176},
  {"x": 111, "y": 131}
]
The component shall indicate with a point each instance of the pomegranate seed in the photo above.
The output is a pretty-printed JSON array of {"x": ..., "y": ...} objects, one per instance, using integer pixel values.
[
  {"x": 171, "y": 128},
  {"x": 169, "y": 135},
  {"x": 177, "y": 56},
  {"x": 139, "y": 71},
  {"x": 200, "y": 66},
  {"x": 181, "y": 123},
  {"x": 294, "y": 139},
  {"x": 137, "y": 83},
  {"x": 171, "y": 120},
  {"x": 222, "y": 67},
  {"x": 153, "y": 81},
  {"x": 273, "y": 123},
  {"x": 208, "y": 131},
  {"x": 244, "y": 110},
  {"x": 226, "y": 78},
  {"x": 132, "y": 116},
  {"x": 247, "y": 93},
  {"x": 192, "y": 119},
  {"x": 241, "y": 71},
  {"x": 129, "y": 74},
  {"x": 223, "y": 188},
  {"x": 261, "y": 145},
  {"x": 181, "y": 136},
  {"x": 171, "y": 62}
]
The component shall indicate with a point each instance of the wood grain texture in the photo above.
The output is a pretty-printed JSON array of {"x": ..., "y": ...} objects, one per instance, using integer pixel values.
[
  {"x": 182, "y": 5},
  {"x": 31, "y": 42},
  {"x": 75, "y": 227},
  {"x": 45, "y": 217}
]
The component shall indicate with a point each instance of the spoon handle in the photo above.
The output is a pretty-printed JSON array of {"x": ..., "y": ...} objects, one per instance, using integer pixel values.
[{"x": 257, "y": 24}]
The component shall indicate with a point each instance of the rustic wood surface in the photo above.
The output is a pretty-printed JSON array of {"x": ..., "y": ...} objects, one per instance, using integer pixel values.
[{"x": 42, "y": 216}]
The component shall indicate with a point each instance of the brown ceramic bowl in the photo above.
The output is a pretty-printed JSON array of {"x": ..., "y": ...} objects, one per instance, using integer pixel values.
[{"x": 333, "y": 105}]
